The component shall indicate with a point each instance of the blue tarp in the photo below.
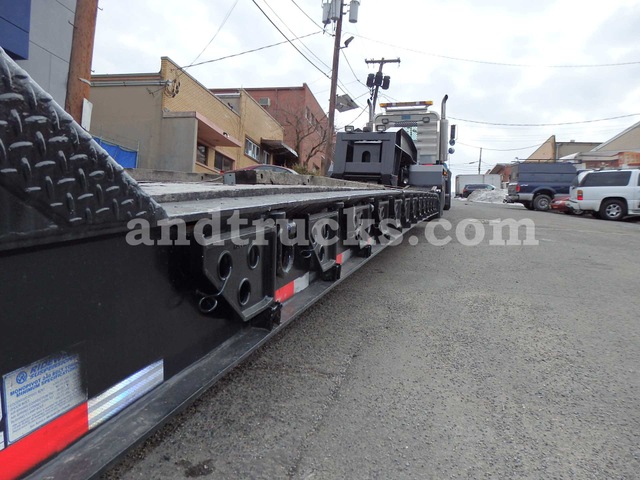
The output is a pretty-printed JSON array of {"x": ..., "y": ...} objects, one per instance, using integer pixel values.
[{"x": 125, "y": 157}]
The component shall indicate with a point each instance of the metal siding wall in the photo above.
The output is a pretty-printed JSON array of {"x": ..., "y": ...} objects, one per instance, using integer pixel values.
[{"x": 51, "y": 34}]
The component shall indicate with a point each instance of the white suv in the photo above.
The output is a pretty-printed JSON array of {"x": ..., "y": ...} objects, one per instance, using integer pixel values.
[{"x": 608, "y": 194}]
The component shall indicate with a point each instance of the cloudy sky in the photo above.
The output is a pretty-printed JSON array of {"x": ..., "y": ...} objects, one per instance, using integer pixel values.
[{"x": 561, "y": 65}]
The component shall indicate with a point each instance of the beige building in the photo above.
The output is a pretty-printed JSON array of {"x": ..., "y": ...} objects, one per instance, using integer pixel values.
[
  {"x": 553, "y": 151},
  {"x": 622, "y": 150},
  {"x": 177, "y": 124}
]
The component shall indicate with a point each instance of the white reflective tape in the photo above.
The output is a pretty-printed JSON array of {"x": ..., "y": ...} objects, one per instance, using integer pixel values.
[
  {"x": 301, "y": 283},
  {"x": 110, "y": 402},
  {"x": 346, "y": 255}
]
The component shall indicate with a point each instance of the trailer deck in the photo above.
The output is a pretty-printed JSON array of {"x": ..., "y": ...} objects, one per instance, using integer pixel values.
[{"x": 122, "y": 301}]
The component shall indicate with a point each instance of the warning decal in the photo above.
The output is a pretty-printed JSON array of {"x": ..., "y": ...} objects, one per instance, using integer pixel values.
[
  {"x": 37, "y": 393},
  {"x": 1, "y": 424}
]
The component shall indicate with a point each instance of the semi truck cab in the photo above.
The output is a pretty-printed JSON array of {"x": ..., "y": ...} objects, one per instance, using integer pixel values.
[{"x": 433, "y": 139}]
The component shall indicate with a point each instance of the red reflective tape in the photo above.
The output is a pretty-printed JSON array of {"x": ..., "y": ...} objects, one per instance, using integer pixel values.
[
  {"x": 48, "y": 440},
  {"x": 339, "y": 259},
  {"x": 285, "y": 292}
]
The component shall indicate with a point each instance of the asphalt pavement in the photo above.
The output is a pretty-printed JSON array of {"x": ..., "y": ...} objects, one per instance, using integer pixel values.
[{"x": 439, "y": 361}]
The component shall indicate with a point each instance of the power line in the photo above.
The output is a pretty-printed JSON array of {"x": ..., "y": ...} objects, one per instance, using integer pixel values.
[
  {"x": 247, "y": 51},
  {"x": 344, "y": 55},
  {"x": 543, "y": 124},
  {"x": 359, "y": 115},
  {"x": 501, "y": 149},
  {"x": 389, "y": 97},
  {"x": 301, "y": 43},
  {"x": 290, "y": 42},
  {"x": 502, "y": 64},
  {"x": 306, "y": 14},
  {"x": 217, "y": 31}
]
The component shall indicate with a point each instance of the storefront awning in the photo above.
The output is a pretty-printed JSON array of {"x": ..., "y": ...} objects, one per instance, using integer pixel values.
[
  {"x": 214, "y": 135},
  {"x": 279, "y": 148},
  {"x": 208, "y": 131}
]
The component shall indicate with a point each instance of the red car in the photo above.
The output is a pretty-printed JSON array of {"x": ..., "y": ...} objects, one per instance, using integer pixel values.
[
  {"x": 560, "y": 204},
  {"x": 265, "y": 168}
]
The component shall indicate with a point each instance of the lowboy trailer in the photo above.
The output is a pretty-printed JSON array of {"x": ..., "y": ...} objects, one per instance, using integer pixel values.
[{"x": 122, "y": 301}]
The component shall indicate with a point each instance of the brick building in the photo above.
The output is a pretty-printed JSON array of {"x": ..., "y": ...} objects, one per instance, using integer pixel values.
[
  {"x": 504, "y": 170},
  {"x": 297, "y": 110}
]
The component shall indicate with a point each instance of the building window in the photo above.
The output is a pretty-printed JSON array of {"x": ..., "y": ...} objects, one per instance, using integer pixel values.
[
  {"x": 266, "y": 157},
  {"x": 252, "y": 150},
  {"x": 222, "y": 163},
  {"x": 203, "y": 154}
]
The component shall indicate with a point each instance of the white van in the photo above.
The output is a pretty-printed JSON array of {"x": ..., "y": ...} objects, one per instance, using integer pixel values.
[{"x": 608, "y": 194}]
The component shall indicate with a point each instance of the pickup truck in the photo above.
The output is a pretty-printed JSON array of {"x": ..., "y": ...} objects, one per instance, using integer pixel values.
[{"x": 536, "y": 184}]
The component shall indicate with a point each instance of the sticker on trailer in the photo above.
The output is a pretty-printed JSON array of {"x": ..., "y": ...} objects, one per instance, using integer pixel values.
[
  {"x": 36, "y": 394},
  {"x": 1, "y": 424}
]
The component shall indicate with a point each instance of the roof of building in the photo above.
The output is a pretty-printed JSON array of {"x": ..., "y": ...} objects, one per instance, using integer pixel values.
[{"x": 633, "y": 140}]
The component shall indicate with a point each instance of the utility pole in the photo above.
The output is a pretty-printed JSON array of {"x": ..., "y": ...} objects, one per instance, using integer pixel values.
[
  {"x": 332, "y": 12},
  {"x": 374, "y": 82},
  {"x": 79, "y": 77},
  {"x": 480, "y": 161},
  {"x": 328, "y": 154}
]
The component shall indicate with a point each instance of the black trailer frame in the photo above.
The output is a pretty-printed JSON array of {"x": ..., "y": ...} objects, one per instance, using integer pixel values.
[{"x": 122, "y": 302}]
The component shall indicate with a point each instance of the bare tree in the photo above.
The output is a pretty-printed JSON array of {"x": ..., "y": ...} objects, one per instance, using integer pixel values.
[{"x": 308, "y": 133}]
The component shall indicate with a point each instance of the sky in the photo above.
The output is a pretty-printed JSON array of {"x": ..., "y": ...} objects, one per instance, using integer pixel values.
[{"x": 516, "y": 71}]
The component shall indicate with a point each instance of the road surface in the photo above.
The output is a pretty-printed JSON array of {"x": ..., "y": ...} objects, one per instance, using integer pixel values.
[{"x": 439, "y": 361}]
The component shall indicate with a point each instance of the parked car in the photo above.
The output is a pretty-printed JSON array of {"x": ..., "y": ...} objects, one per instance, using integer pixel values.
[
  {"x": 536, "y": 184},
  {"x": 561, "y": 204},
  {"x": 265, "y": 168},
  {"x": 472, "y": 187},
  {"x": 608, "y": 194}
]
